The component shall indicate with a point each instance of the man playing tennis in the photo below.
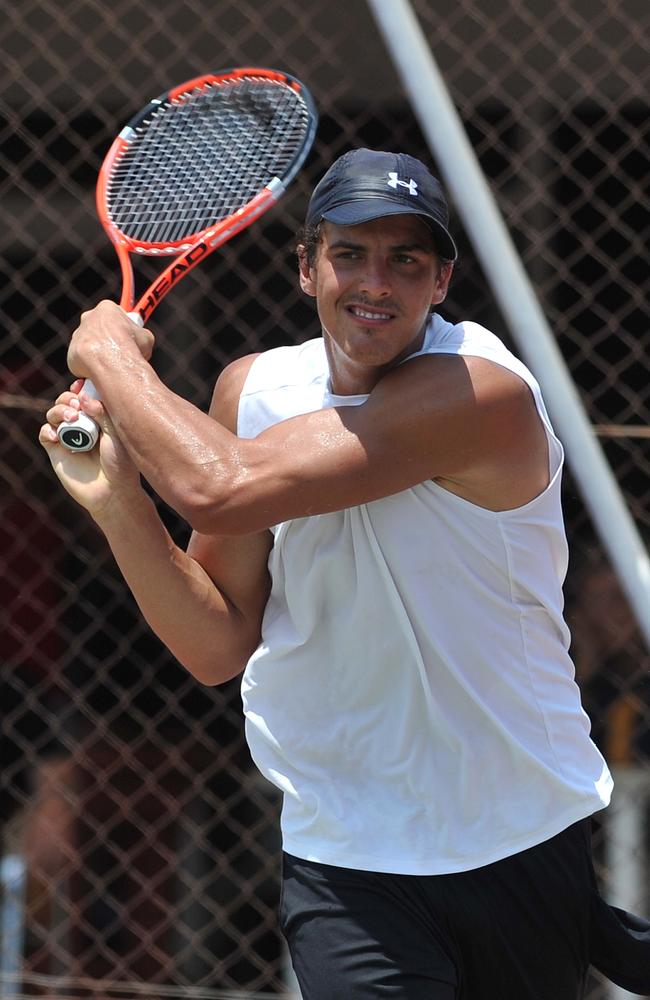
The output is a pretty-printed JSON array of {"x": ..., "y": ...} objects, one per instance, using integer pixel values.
[{"x": 378, "y": 543}]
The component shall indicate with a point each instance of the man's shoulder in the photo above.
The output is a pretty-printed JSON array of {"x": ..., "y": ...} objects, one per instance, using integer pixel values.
[
  {"x": 470, "y": 339},
  {"x": 443, "y": 336},
  {"x": 228, "y": 389}
]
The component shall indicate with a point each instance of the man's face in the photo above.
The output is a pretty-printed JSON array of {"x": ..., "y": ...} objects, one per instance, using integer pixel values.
[{"x": 374, "y": 284}]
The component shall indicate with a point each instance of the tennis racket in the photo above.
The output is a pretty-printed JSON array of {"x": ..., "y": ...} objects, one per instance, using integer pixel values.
[{"x": 196, "y": 166}]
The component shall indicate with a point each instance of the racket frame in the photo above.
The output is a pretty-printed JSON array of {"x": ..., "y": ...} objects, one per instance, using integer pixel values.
[
  {"x": 82, "y": 434},
  {"x": 196, "y": 247},
  {"x": 192, "y": 249}
]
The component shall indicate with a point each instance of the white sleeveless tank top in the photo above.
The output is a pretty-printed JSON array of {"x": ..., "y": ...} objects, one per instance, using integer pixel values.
[{"x": 412, "y": 695}]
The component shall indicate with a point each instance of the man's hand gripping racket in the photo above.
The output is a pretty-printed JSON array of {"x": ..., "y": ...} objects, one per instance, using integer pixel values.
[{"x": 196, "y": 166}]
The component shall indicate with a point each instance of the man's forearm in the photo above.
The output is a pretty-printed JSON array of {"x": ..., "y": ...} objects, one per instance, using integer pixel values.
[
  {"x": 179, "y": 450},
  {"x": 176, "y": 596},
  {"x": 182, "y": 452}
]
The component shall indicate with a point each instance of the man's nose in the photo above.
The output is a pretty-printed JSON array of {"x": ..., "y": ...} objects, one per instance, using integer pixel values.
[{"x": 376, "y": 278}]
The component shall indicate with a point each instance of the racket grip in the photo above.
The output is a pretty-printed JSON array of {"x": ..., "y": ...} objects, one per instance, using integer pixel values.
[{"x": 80, "y": 434}]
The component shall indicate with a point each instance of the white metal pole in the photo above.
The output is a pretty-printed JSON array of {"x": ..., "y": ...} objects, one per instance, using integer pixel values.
[
  {"x": 529, "y": 328},
  {"x": 626, "y": 851}
]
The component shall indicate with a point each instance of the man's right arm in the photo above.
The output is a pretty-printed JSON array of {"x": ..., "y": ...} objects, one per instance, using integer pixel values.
[{"x": 205, "y": 604}]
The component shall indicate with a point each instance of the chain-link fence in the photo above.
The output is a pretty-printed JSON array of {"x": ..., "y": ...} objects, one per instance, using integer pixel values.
[{"x": 149, "y": 846}]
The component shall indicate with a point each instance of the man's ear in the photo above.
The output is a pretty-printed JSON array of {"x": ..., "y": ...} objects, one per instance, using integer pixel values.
[
  {"x": 442, "y": 282},
  {"x": 305, "y": 272}
]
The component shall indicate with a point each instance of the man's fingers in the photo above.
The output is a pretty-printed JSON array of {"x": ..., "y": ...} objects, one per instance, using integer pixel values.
[
  {"x": 93, "y": 407},
  {"x": 47, "y": 436},
  {"x": 68, "y": 406},
  {"x": 62, "y": 411},
  {"x": 68, "y": 398}
]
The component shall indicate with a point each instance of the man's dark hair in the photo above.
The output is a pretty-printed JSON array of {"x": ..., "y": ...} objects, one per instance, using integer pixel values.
[{"x": 309, "y": 238}]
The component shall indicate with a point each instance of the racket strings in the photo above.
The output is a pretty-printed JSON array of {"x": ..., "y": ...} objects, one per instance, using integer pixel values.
[{"x": 199, "y": 159}]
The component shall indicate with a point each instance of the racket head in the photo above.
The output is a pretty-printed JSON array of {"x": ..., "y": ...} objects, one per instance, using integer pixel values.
[
  {"x": 192, "y": 168},
  {"x": 198, "y": 155}
]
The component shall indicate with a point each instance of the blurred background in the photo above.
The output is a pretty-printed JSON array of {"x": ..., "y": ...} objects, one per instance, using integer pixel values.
[{"x": 137, "y": 843}]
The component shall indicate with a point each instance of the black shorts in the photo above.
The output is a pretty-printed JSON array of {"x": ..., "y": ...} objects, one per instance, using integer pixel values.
[{"x": 518, "y": 929}]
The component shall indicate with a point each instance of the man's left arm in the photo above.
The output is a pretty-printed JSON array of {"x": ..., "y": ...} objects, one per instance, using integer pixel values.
[{"x": 465, "y": 422}]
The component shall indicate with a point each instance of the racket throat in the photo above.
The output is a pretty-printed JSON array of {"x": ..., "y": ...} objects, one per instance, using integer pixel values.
[{"x": 173, "y": 273}]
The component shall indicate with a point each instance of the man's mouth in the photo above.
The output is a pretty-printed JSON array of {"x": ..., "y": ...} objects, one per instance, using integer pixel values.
[{"x": 371, "y": 315}]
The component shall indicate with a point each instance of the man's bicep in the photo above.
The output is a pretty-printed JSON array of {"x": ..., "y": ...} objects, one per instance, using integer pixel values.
[
  {"x": 432, "y": 418},
  {"x": 403, "y": 434}
]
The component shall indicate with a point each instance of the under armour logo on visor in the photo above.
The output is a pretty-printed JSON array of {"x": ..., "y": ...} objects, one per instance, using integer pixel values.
[{"x": 393, "y": 181}]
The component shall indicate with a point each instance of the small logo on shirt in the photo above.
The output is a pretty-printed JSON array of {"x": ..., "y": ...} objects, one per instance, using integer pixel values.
[{"x": 394, "y": 181}]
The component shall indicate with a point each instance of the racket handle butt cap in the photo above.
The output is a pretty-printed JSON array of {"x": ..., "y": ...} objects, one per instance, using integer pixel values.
[{"x": 80, "y": 434}]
